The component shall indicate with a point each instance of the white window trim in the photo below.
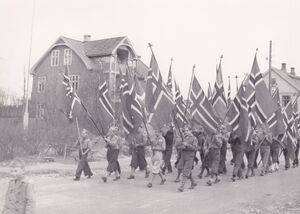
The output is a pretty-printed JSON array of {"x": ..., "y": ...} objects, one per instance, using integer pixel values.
[
  {"x": 54, "y": 54},
  {"x": 39, "y": 80},
  {"x": 67, "y": 52},
  {"x": 72, "y": 80},
  {"x": 38, "y": 113}
]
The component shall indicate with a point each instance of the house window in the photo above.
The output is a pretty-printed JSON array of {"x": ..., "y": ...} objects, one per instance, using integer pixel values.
[
  {"x": 41, "y": 84},
  {"x": 67, "y": 56},
  {"x": 40, "y": 111},
  {"x": 74, "y": 80},
  {"x": 55, "y": 58},
  {"x": 285, "y": 99}
]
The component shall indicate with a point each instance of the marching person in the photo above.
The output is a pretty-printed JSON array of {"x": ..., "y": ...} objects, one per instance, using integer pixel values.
[
  {"x": 138, "y": 159},
  {"x": 20, "y": 193},
  {"x": 113, "y": 144},
  {"x": 238, "y": 148},
  {"x": 296, "y": 161},
  {"x": 265, "y": 138},
  {"x": 251, "y": 150},
  {"x": 84, "y": 144},
  {"x": 216, "y": 140},
  {"x": 168, "y": 134},
  {"x": 223, "y": 151},
  {"x": 188, "y": 148},
  {"x": 178, "y": 146},
  {"x": 204, "y": 148},
  {"x": 158, "y": 146},
  {"x": 274, "y": 156}
]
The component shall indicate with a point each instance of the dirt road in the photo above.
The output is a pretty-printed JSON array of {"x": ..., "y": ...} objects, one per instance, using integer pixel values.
[{"x": 274, "y": 193}]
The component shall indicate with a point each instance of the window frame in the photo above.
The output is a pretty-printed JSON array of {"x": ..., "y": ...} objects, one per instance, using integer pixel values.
[
  {"x": 67, "y": 56},
  {"x": 40, "y": 113},
  {"x": 74, "y": 81},
  {"x": 283, "y": 100},
  {"x": 41, "y": 81},
  {"x": 54, "y": 61}
]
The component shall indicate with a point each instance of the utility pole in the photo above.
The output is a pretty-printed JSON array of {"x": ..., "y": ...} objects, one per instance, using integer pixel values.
[
  {"x": 270, "y": 66},
  {"x": 26, "y": 114}
]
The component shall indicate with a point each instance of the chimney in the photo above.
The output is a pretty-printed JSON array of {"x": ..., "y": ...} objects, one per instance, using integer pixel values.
[
  {"x": 86, "y": 38},
  {"x": 283, "y": 66},
  {"x": 293, "y": 71}
]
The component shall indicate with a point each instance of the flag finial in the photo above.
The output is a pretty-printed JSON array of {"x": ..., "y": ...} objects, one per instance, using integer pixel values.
[
  {"x": 150, "y": 45},
  {"x": 194, "y": 66},
  {"x": 171, "y": 59}
]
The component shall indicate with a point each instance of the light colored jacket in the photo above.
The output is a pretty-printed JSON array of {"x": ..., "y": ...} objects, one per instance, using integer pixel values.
[
  {"x": 19, "y": 198},
  {"x": 114, "y": 141}
]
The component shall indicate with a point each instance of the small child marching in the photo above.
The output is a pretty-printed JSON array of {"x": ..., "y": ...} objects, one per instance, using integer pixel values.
[{"x": 158, "y": 145}]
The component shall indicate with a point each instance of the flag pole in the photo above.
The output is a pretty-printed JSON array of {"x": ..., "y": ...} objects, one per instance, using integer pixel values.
[
  {"x": 189, "y": 93},
  {"x": 270, "y": 66},
  {"x": 78, "y": 131}
]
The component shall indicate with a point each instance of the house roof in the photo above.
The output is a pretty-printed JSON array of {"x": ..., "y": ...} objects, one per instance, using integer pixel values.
[
  {"x": 103, "y": 47},
  {"x": 87, "y": 50},
  {"x": 286, "y": 77}
]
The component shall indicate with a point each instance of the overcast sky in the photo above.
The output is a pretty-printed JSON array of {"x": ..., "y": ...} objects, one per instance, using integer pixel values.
[{"x": 190, "y": 31}]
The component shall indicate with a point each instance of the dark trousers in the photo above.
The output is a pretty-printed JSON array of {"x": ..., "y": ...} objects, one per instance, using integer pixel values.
[
  {"x": 167, "y": 154},
  {"x": 239, "y": 164},
  {"x": 222, "y": 164},
  {"x": 250, "y": 155},
  {"x": 112, "y": 159},
  {"x": 186, "y": 162},
  {"x": 296, "y": 161},
  {"x": 286, "y": 158},
  {"x": 83, "y": 165},
  {"x": 138, "y": 158}
]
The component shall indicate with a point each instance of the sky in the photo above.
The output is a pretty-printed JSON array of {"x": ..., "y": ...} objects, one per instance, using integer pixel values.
[{"x": 190, "y": 31}]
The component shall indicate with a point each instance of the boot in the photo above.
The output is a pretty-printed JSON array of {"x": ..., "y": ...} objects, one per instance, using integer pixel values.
[
  {"x": 147, "y": 173},
  {"x": 248, "y": 173},
  {"x": 181, "y": 188},
  {"x": 193, "y": 183}
]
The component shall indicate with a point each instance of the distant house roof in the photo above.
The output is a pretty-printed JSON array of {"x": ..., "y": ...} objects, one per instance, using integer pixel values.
[
  {"x": 103, "y": 47},
  {"x": 289, "y": 78},
  {"x": 89, "y": 49}
]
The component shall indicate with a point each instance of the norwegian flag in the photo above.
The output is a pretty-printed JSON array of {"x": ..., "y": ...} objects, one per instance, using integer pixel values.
[
  {"x": 238, "y": 116},
  {"x": 105, "y": 109},
  {"x": 201, "y": 110},
  {"x": 209, "y": 93},
  {"x": 296, "y": 113},
  {"x": 289, "y": 123},
  {"x": 258, "y": 97},
  {"x": 218, "y": 100},
  {"x": 131, "y": 107},
  {"x": 180, "y": 107},
  {"x": 169, "y": 82},
  {"x": 275, "y": 122},
  {"x": 229, "y": 93},
  {"x": 158, "y": 100},
  {"x": 140, "y": 92},
  {"x": 71, "y": 95}
]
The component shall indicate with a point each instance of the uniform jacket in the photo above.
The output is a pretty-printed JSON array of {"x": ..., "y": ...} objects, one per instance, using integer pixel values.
[
  {"x": 216, "y": 141},
  {"x": 158, "y": 143},
  {"x": 265, "y": 138},
  {"x": 19, "y": 198},
  {"x": 191, "y": 143},
  {"x": 113, "y": 141}
]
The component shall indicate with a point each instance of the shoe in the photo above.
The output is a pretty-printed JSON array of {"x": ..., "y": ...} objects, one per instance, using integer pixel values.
[
  {"x": 180, "y": 189},
  {"x": 209, "y": 183},
  {"x": 199, "y": 176},
  {"x": 233, "y": 179},
  {"x": 147, "y": 174},
  {"x": 149, "y": 185},
  {"x": 193, "y": 185},
  {"x": 76, "y": 179},
  {"x": 104, "y": 179},
  {"x": 116, "y": 178},
  {"x": 262, "y": 174},
  {"x": 241, "y": 177},
  {"x": 217, "y": 180},
  {"x": 170, "y": 171},
  {"x": 89, "y": 176},
  {"x": 131, "y": 177},
  {"x": 163, "y": 181},
  {"x": 207, "y": 174},
  {"x": 246, "y": 176},
  {"x": 177, "y": 180}
]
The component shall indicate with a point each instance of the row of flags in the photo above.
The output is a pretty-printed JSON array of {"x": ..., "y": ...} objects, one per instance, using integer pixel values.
[{"x": 253, "y": 104}]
